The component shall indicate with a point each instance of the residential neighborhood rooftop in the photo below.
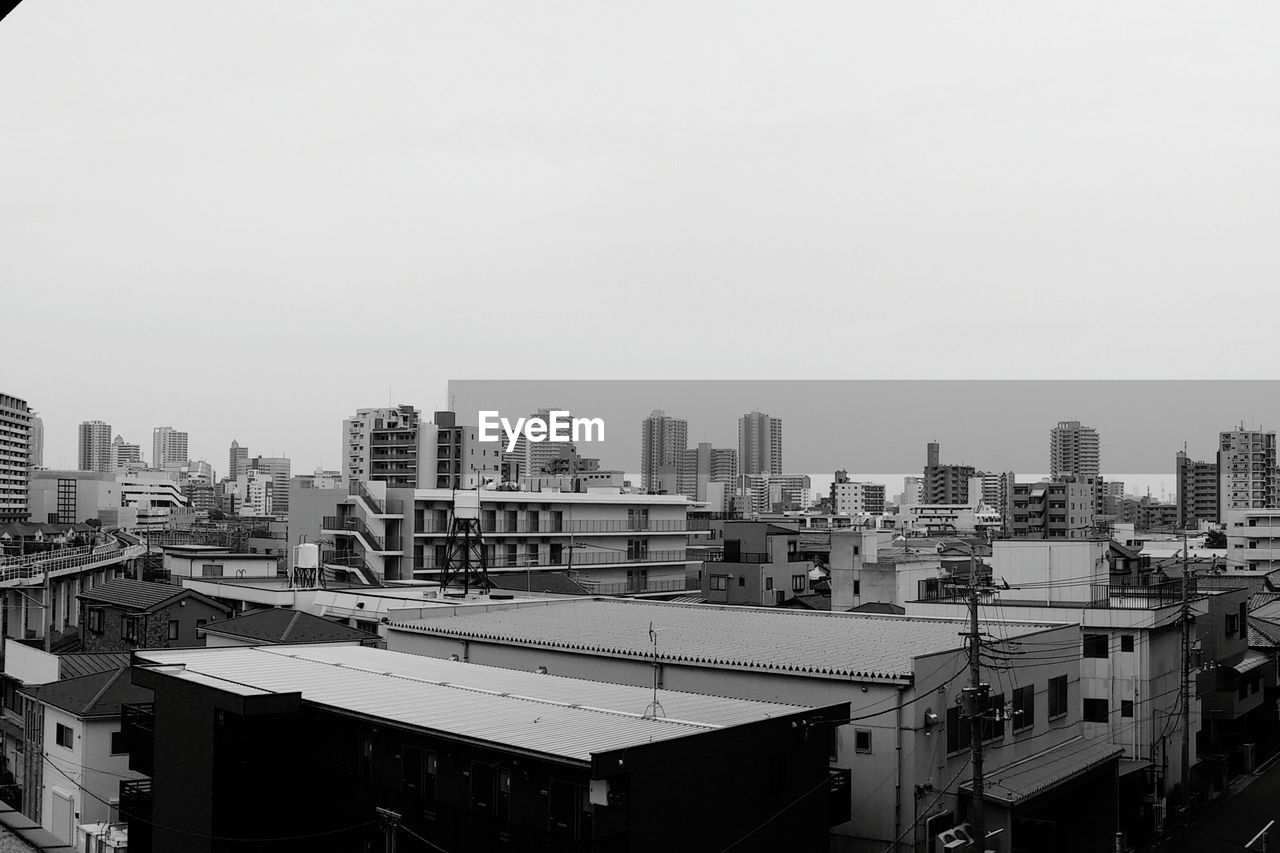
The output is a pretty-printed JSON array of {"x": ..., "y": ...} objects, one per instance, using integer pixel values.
[
  {"x": 547, "y": 714},
  {"x": 132, "y": 594},
  {"x": 800, "y": 642},
  {"x": 98, "y": 695},
  {"x": 284, "y": 625}
]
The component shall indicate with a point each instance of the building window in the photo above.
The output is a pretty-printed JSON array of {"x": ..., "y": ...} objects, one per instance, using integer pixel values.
[
  {"x": 768, "y": 583},
  {"x": 118, "y": 745},
  {"x": 798, "y": 583},
  {"x": 1126, "y": 642},
  {"x": 129, "y": 629},
  {"x": 94, "y": 620},
  {"x": 1095, "y": 645},
  {"x": 1126, "y": 707},
  {"x": 65, "y": 736},
  {"x": 742, "y": 580},
  {"x": 211, "y": 570},
  {"x": 720, "y": 582},
  {"x": 1024, "y": 707},
  {"x": 1232, "y": 624},
  {"x": 173, "y": 629},
  {"x": 1057, "y": 696},
  {"x": 862, "y": 740},
  {"x": 1095, "y": 711}
]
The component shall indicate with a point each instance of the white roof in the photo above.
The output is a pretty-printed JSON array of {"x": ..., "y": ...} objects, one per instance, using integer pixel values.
[
  {"x": 547, "y": 714},
  {"x": 781, "y": 640}
]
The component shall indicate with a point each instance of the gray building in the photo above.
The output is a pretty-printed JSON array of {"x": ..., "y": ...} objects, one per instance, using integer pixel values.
[
  {"x": 95, "y": 446},
  {"x": 1074, "y": 450},
  {"x": 1197, "y": 491},
  {"x": 663, "y": 442},
  {"x": 945, "y": 484},
  {"x": 1247, "y": 476},
  {"x": 759, "y": 444},
  {"x": 15, "y": 440}
]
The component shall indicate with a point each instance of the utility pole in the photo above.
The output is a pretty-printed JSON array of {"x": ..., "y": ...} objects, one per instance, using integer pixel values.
[
  {"x": 1186, "y": 682},
  {"x": 390, "y": 823},
  {"x": 46, "y": 619},
  {"x": 974, "y": 700}
]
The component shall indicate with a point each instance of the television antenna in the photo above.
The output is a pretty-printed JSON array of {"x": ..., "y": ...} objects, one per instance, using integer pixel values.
[{"x": 654, "y": 709}]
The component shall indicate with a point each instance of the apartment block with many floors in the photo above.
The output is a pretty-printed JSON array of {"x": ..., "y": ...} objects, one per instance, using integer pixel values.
[
  {"x": 1247, "y": 475},
  {"x": 95, "y": 447},
  {"x": 1197, "y": 491},
  {"x": 609, "y": 541},
  {"x": 15, "y": 465},
  {"x": 1074, "y": 450}
]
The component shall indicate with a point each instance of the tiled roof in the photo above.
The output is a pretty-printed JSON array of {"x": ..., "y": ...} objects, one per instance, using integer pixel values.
[
  {"x": 98, "y": 695},
  {"x": 782, "y": 640},
  {"x": 548, "y": 714},
  {"x": 135, "y": 595},
  {"x": 1263, "y": 634},
  {"x": 284, "y": 625},
  {"x": 1025, "y": 779}
]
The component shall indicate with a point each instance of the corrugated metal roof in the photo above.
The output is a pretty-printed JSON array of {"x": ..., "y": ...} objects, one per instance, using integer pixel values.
[
  {"x": 1025, "y": 779},
  {"x": 568, "y": 717},
  {"x": 132, "y": 594},
  {"x": 284, "y": 625},
  {"x": 87, "y": 663},
  {"x": 782, "y": 640}
]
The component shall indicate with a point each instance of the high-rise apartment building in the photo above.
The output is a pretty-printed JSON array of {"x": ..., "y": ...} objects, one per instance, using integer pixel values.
[
  {"x": 35, "y": 451},
  {"x": 450, "y": 456},
  {"x": 394, "y": 450},
  {"x": 663, "y": 442},
  {"x": 1074, "y": 450},
  {"x": 15, "y": 472},
  {"x": 124, "y": 454},
  {"x": 168, "y": 448},
  {"x": 237, "y": 459},
  {"x": 945, "y": 484},
  {"x": 1197, "y": 491},
  {"x": 1247, "y": 477},
  {"x": 95, "y": 447},
  {"x": 534, "y": 458},
  {"x": 759, "y": 444},
  {"x": 704, "y": 465}
]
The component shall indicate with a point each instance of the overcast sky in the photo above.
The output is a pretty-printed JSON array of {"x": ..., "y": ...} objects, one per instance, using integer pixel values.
[{"x": 247, "y": 219}]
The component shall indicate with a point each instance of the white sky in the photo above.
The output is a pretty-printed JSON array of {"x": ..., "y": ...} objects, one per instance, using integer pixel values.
[{"x": 248, "y": 219}]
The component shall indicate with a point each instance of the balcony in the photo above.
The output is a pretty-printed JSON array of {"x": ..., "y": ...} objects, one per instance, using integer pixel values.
[
  {"x": 838, "y": 804},
  {"x": 755, "y": 557},
  {"x": 355, "y": 527},
  {"x": 137, "y": 726},
  {"x": 590, "y": 558},
  {"x": 550, "y": 526}
]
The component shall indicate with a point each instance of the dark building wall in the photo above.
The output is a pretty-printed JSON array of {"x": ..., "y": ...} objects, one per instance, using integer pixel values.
[{"x": 222, "y": 770}]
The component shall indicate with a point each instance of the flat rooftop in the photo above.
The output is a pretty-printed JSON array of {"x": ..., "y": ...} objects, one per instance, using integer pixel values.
[
  {"x": 778, "y": 640},
  {"x": 568, "y": 718}
]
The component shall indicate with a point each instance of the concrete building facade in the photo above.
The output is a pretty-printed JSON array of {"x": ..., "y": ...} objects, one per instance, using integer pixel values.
[
  {"x": 1247, "y": 475},
  {"x": 663, "y": 442},
  {"x": 95, "y": 447},
  {"x": 15, "y": 464},
  {"x": 1074, "y": 450},
  {"x": 168, "y": 448},
  {"x": 759, "y": 444},
  {"x": 1197, "y": 491}
]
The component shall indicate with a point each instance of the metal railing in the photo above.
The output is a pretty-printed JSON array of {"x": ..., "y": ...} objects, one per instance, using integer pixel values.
[
  {"x": 33, "y": 565},
  {"x": 332, "y": 524},
  {"x": 523, "y": 561},
  {"x": 490, "y": 525},
  {"x": 357, "y": 488},
  {"x": 752, "y": 557},
  {"x": 624, "y": 587}
]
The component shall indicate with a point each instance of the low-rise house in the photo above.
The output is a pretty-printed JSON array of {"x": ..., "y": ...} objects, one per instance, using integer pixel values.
[
  {"x": 761, "y": 564},
  {"x": 211, "y": 561},
  {"x": 277, "y": 626},
  {"x": 76, "y": 755},
  {"x": 126, "y": 614}
]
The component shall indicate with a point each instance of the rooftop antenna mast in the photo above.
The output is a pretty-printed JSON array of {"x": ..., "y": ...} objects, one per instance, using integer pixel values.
[{"x": 654, "y": 709}]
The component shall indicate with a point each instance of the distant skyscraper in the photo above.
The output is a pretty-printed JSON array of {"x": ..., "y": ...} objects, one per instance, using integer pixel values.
[
  {"x": 15, "y": 475},
  {"x": 945, "y": 484},
  {"x": 759, "y": 444},
  {"x": 35, "y": 451},
  {"x": 123, "y": 453},
  {"x": 534, "y": 457},
  {"x": 276, "y": 470},
  {"x": 1247, "y": 476},
  {"x": 95, "y": 446},
  {"x": 1074, "y": 450},
  {"x": 663, "y": 441},
  {"x": 235, "y": 459},
  {"x": 168, "y": 448},
  {"x": 704, "y": 465}
]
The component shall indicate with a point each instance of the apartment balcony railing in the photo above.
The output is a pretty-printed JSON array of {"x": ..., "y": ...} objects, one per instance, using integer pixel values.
[
  {"x": 353, "y": 526},
  {"x": 839, "y": 806},
  {"x": 624, "y": 587},
  {"x": 549, "y": 561},
  {"x": 1105, "y": 595},
  {"x": 501, "y": 526},
  {"x": 752, "y": 557},
  {"x": 136, "y": 807}
]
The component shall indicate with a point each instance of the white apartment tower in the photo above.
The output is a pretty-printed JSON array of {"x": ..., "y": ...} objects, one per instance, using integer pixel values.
[
  {"x": 663, "y": 442},
  {"x": 15, "y": 437},
  {"x": 124, "y": 454},
  {"x": 95, "y": 447},
  {"x": 237, "y": 459},
  {"x": 759, "y": 444},
  {"x": 1074, "y": 450},
  {"x": 1247, "y": 477},
  {"x": 168, "y": 448},
  {"x": 35, "y": 451}
]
